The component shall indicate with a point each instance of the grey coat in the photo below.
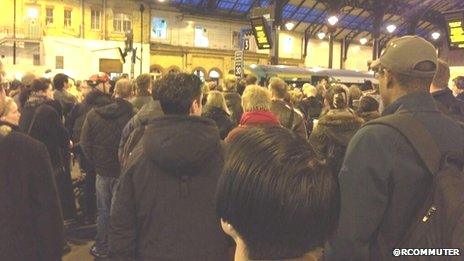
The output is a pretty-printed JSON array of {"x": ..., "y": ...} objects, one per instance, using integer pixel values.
[{"x": 383, "y": 182}]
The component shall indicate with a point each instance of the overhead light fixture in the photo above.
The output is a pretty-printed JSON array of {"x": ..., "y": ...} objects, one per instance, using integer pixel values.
[
  {"x": 32, "y": 12},
  {"x": 436, "y": 35},
  {"x": 161, "y": 1},
  {"x": 333, "y": 20},
  {"x": 363, "y": 41},
  {"x": 289, "y": 25},
  {"x": 321, "y": 35},
  {"x": 391, "y": 28}
]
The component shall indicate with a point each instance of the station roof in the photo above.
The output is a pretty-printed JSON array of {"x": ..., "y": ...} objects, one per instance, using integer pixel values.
[{"x": 356, "y": 17}]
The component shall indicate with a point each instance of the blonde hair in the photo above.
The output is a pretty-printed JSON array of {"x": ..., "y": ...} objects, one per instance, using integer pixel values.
[
  {"x": 309, "y": 90},
  {"x": 8, "y": 103},
  {"x": 229, "y": 82},
  {"x": 216, "y": 100},
  {"x": 296, "y": 96},
  {"x": 256, "y": 98}
]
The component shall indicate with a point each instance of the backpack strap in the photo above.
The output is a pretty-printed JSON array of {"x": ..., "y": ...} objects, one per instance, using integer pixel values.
[{"x": 417, "y": 135}]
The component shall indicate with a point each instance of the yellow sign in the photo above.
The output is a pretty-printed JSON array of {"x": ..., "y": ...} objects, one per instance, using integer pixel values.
[
  {"x": 456, "y": 31},
  {"x": 260, "y": 32}
]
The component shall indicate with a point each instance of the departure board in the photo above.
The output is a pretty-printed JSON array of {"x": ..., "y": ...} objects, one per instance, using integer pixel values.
[
  {"x": 456, "y": 33},
  {"x": 261, "y": 33}
]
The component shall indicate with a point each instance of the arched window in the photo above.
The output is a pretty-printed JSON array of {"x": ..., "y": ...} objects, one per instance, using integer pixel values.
[
  {"x": 215, "y": 73},
  {"x": 156, "y": 71},
  {"x": 173, "y": 69},
  {"x": 200, "y": 72}
]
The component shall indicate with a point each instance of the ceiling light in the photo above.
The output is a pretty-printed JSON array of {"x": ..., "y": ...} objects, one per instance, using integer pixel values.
[
  {"x": 363, "y": 41},
  {"x": 333, "y": 20},
  {"x": 436, "y": 35},
  {"x": 289, "y": 25},
  {"x": 32, "y": 12},
  {"x": 391, "y": 28},
  {"x": 321, "y": 35}
]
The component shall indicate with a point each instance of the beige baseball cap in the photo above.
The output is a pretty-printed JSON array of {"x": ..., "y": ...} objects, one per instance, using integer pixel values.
[{"x": 403, "y": 55}]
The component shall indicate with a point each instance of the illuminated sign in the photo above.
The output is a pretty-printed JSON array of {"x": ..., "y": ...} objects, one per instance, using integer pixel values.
[
  {"x": 261, "y": 32},
  {"x": 456, "y": 33}
]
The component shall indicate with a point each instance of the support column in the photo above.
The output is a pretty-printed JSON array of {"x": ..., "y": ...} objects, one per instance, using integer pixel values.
[
  {"x": 142, "y": 9},
  {"x": 331, "y": 45},
  {"x": 14, "y": 33},
  {"x": 278, "y": 8}
]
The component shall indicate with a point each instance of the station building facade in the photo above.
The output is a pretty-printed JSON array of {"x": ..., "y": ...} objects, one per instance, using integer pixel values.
[{"x": 81, "y": 37}]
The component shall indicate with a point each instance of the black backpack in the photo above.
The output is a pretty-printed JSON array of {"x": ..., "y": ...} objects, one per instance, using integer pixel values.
[{"x": 440, "y": 220}]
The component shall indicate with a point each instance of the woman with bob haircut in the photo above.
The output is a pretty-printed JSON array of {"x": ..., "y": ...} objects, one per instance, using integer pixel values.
[
  {"x": 274, "y": 198},
  {"x": 216, "y": 109}
]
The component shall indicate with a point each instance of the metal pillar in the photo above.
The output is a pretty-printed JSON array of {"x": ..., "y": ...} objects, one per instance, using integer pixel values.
[
  {"x": 142, "y": 9},
  {"x": 274, "y": 54},
  {"x": 331, "y": 45},
  {"x": 14, "y": 33}
]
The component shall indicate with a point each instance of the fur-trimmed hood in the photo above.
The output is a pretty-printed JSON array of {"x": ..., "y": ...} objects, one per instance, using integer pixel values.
[
  {"x": 368, "y": 116},
  {"x": 339, "y": 125}
]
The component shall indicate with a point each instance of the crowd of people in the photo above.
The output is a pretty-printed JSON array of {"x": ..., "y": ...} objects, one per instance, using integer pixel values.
[{"x": 178, "y": 169}]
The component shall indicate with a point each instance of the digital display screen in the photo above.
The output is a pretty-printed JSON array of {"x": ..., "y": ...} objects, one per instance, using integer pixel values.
[
  {"x": 456, "y": 33},
  {"x": 261, "y": 33}
]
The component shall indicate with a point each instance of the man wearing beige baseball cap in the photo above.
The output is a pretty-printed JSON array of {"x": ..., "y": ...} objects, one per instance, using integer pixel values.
[{"x": 382, "y": 181}]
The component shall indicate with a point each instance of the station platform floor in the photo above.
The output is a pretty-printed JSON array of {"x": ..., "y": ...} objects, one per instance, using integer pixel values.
[{"x": 80, "y": 252}]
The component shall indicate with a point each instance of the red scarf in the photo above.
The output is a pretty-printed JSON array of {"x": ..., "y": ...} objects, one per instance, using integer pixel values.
[{"x": 259, "y": 117}]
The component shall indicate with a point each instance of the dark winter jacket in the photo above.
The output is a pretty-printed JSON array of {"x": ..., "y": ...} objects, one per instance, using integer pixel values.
[
  {"x": 289, "y": 117},
  {"x": 143, "y": 117},
  {"x": 47, "y": 127},
  {"x": 332, "y": 134},
  {"x": 460, "y": 97},
  {"x": 101, "y": 134},
  {"x": 234, "y": 104},
  {"x": 66, "y": 100},
  {"x": 31, "y": 226},
  {"x": 311, "y": 108},
  {"x": 76, "y": 117},
  {"x": 163, "y": 208},
  {"x": 448, "y": 104},
  {"x": 221, "y": 118},
  {"x": 369, "y": 115},
  {"x": 383, "y": 181},
  {"x": 139, "y": 101}
]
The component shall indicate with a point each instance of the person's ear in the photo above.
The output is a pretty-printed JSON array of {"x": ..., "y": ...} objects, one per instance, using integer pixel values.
[
  {"x": 228, "y": 229},
  {"x": 389, "y": 79},
  {"x": 195, "y": 108}
]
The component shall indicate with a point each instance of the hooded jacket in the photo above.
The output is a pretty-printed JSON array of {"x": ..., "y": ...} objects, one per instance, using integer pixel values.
[
  {"x": 147, "y": 114},
  {"x": 31, "y": 224},
  {"x": 368, "y": 115},
  {"x": 234, "y": 104},
  {"x": 164, "y": 205},
  {"x": 47, "y": 127},
  {"x": 76, "y": 117},
  {"x": 332, "y": 134},
  {"x": 101, "y": 134},
  {"x": 221, "y": 118}
]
